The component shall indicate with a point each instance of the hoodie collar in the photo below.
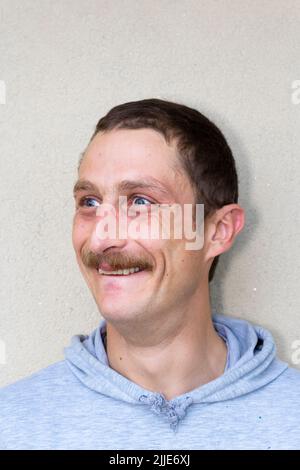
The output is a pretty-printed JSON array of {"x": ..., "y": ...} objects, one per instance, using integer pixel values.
[{"x": 251, "y": 364}]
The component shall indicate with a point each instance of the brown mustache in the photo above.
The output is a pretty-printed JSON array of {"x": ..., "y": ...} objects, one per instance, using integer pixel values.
[{"x": 116, "y": 260}]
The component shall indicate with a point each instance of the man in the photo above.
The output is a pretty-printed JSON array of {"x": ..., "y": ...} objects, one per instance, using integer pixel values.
[{"x": 161, "y": 371}]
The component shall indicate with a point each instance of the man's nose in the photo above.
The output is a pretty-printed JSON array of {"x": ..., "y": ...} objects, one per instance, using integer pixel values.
[{"x": 105, "y": 233}]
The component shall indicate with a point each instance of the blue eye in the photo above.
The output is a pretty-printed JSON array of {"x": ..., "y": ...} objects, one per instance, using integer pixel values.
[
  {"x": 88, "y": 202},
  {"x": 141, "y": 198}
]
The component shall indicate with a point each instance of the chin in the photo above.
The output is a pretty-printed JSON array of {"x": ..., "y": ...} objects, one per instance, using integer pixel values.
[{"x": 116, "y": 311}]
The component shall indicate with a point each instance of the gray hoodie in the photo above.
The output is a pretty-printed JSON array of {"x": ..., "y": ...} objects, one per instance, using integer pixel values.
[{"x": 82, "y": 403}]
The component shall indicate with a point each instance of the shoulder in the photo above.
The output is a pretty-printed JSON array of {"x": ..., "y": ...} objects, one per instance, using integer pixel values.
[
  {"x": 34, "y": 405},
  {"x": 282, "y": 393},
  {"x": 44, "y": 382},
  {"x": 291, "y": 378}
]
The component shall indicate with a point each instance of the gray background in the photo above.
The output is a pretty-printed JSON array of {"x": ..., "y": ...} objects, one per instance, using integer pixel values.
[{"x": 65, "y": 63}]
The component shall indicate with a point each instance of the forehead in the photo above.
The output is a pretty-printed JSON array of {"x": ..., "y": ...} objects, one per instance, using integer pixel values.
[
  {"x": 131, "y": 146},
  {"x": 130, "y": 153}
]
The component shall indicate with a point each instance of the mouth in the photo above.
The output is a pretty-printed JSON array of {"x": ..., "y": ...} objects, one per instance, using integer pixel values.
[{"x": 121, "y": 272}]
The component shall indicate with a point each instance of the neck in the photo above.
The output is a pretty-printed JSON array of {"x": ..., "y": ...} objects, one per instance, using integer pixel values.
[{"x": 173, "y": 356}]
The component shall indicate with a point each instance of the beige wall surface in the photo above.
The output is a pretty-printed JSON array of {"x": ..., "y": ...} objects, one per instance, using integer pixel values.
[{"x": 63, "y": 64}]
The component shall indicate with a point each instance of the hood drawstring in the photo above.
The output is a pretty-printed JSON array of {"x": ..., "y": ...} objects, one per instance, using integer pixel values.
[{"x": 159, "y": 405}]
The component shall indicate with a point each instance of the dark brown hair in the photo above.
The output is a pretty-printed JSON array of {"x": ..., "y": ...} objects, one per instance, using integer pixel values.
[{"x": 202, "y": 148}]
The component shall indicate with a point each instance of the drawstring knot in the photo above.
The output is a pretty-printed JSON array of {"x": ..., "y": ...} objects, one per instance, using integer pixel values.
[
  {"x": 157, "y": 402},
  {"x": 173, "y": 411}
]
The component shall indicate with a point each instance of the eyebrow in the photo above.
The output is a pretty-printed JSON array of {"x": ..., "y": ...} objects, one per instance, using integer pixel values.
[{"x": 125, "y": 185}]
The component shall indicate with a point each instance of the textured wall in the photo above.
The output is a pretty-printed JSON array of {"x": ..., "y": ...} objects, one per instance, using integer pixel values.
[{"x": 64, "y": 63}]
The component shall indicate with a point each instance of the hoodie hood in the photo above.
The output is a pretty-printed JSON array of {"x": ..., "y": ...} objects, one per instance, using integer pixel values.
[{"x": 251, "y": 364}]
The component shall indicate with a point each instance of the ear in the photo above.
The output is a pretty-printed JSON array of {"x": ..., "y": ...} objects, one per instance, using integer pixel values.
[{"x": 222, "y": 228}]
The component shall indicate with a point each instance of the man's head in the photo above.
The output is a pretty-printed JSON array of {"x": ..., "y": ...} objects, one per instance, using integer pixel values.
[{"x": 161, "y": 153}]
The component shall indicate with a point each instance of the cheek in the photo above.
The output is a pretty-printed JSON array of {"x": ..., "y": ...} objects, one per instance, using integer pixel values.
[
  {"x": 186, "y": 263},
  {"x": 193, "y": 266},
  {"x": 170, "y": 255},
  {"x": 80, "y": 232}
]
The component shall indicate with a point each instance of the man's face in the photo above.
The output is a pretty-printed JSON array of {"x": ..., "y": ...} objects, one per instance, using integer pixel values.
[{"x": 172, "y": 273}]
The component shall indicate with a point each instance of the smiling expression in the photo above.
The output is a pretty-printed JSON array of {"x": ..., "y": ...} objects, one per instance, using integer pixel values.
[{"x": 138, "y": 164}]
